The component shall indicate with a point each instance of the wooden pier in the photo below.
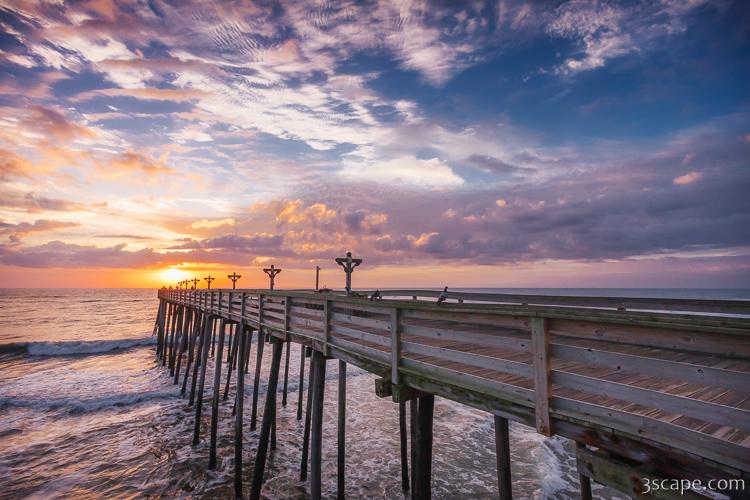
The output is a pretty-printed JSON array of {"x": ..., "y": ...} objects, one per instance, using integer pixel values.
[{"x": 647, "y": 388}]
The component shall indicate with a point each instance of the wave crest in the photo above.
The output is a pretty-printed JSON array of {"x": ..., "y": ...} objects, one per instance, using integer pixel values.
[{"x": 67, "y": 348}]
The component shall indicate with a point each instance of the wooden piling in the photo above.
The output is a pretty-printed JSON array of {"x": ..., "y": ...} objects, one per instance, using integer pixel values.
[
  {"x": 341, "y": 463},
  {"x": 239, "y": 406},
  {"x": 159, "y": 327},
  {"x": 256, "y": 382},
  {"x": 269, "y": 415},
  {"x": 240, "y": 371},
  {"x": 198, "y": 355},
  {"x": 584, "y": 480},
  {"x": 502, "y": 451},
  {"x": 232, "y": 359},
  {"x": 286, "y": 372},
  {"x": 197, "y": 319},
  {"x": 183, "y": 343},
  {"x": 199, "y": 401},
  {"x": 404, "y": 450},
  {"x": 414, "y": 437},
  {"x": 170, "y": 314},
  {"x": 230, "y": 342},
  {"x": 421, "y": 482},
  {"x": 306, "y": 432},
  {"x": 176, "y": 339},
  {"x": 301, "y": 387},
  {"x": 215, "y": 400},
  {"x": 316, "y": 428}
]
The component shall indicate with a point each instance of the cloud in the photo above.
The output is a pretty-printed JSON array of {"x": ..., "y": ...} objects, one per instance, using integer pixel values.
[
  {"x": 15, "y": 232},
  {"x": 131, "y": 161},
  {"x": 687, "y": 178},
  {"x": 605, "y": 31},
  {"x": 432, "y": 173},
  {"x": 212, "y": 224},
  {"x": 148, "y": 94}
]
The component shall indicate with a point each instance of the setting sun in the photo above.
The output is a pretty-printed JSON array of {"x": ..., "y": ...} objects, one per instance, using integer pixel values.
[{"x": 171, "y": 275}]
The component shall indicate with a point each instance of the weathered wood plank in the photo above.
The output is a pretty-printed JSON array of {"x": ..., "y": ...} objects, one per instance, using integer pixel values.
[{"x": 540, "y": 352}]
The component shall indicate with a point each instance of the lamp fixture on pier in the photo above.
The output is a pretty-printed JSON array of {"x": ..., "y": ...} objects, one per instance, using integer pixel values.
[
  {"x": 348, "y": 263},
  {"x": 234, "y": 277},
  {"x": 272, "y": 272}
]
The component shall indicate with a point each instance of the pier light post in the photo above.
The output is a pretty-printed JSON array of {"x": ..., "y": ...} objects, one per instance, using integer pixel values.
[
  {"x": 234, "y": 277},
  {"x": 209, "y": 279},
  {"x": 195, "y": 283},
  {"x": 317, "y": 277},
  {"x": 272, "y": 272},
  {"x": 348, "y": 264}
]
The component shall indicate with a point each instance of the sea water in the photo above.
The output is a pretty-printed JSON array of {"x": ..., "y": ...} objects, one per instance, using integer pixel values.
[{"x": 87, "y": 412}]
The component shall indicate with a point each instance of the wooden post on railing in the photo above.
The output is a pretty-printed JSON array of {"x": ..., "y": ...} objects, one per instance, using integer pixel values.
[
  {"x": 395, "y": 345},
  {"x": 326, "y": 325},
  {"x": 540, "y": 353}
]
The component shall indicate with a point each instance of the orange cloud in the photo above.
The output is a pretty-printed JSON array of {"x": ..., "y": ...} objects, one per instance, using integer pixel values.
[{"x": 687, "y": 178}]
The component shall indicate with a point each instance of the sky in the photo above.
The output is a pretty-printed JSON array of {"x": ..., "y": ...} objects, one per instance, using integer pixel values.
[{"x": 468, "y": 144}]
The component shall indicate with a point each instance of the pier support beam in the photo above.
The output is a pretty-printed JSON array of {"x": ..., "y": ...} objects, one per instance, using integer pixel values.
[
  {"x": 197, "y": 319},
  {"x": 422, "y": 434},
  {"x": 404, "y": 450},
  {"x": 301, "y": 387},
  {"x": 583, "y": 479},
  {"x": 246, "y": 354},
  {"x": 316, "y": 438},
  {"x": 502, "y": 451},
  {"x": 286, "y": 371},
  {"x": 183, "y": 343},
  {"x": 232, "y": 358},
  {"x": 239, "y": 406},
  {"x": 306, "y": 432},
  {"x": 341, "y": 457},
  {"x": 256, "y": 383},
  {"x": 269, "y": 415},
  {"x": 204, "y": 362},
  {"x": 198, "y": 355},
  {"x": 215, "y": 400}
]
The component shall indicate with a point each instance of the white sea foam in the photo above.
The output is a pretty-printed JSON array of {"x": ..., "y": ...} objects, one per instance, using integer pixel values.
[{"x": 84, "y": 346}]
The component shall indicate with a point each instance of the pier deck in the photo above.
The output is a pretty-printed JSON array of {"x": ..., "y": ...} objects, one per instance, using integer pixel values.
[{"x": 647, "y": 387}]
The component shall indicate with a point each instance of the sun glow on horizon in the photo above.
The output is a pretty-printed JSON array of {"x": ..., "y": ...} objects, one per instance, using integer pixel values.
[{"x": 172, "y": 275}]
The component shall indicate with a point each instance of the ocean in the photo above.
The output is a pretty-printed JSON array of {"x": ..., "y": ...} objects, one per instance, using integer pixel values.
[{"x": 86, "y": 412}]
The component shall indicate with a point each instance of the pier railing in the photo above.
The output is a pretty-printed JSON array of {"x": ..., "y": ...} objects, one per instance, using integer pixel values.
[{"x": 677, "y": 380}]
